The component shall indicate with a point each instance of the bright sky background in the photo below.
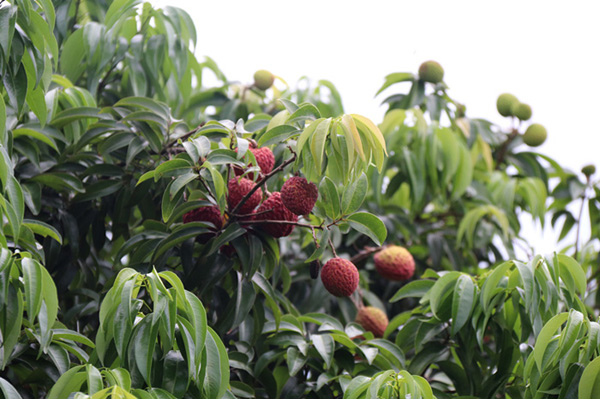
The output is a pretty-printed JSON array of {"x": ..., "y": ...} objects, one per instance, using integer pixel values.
[{"x": 547, "y": 53}]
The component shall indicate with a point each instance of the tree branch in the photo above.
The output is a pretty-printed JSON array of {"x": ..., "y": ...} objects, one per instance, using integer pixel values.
[
  {"x": 504, "y": 148},
  {"x": 365, "y": 253},
  {"x": 583, "y": 198},
  {"x": 308, "y": 226}
]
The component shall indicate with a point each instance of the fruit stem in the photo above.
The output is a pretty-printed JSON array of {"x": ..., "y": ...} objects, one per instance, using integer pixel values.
[
  {"x": 332, "y": 247},
  {"x": 583, "y": 198},
  {"x": 504, "y": 148},
  {"x": 262, "y": 182}
]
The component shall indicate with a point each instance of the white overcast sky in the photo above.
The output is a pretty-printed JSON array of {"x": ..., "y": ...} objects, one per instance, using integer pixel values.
[{"x": 547, "y": 53}]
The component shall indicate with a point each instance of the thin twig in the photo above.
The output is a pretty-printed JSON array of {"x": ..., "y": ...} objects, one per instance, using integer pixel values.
[
  {"x": 207, "y": 188},
  {"x": 365, "y": 253},
  {"x": 184, "y": 137},
  {"x": 104, "y": 81}
]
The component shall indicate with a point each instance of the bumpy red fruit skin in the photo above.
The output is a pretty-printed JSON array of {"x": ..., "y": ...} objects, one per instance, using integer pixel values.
[
  {"x": 340, "y": 277},
  {"x": 395, "y": 263},
  {"x": 264, "y": 158},
  {"x": 273, "y": 209},
  {"x": 372, "y": 319},
  {"x": 210, "y": 214},
  {"x": 299, "y": 196},
  {"x": 237, "y": 191}
]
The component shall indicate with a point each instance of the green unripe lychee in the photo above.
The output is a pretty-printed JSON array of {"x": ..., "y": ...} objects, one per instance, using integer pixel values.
[
  {"x": 588, "y": 170},
  {"x": 263, "y": 79},
  {"x": 535, "y": 135},
  {"x": 521, "y": 111},
  {"x": 431, "y": 71},
  {"x": 505, "y": 103}
]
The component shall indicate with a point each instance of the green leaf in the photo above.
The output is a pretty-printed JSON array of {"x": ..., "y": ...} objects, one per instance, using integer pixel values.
[
  {"x": 7, "y": 389},
  {"x": 2, "y": 118},
  {"x": 308, "y": 132},
  {"x": 370, "y": 225},
  {"x": 172, "y": 165},
  {"x": 396, "y": 77},
  {"x": 325, "y": 345},
  {"x": 589, "y": 384},
  {"x": 306, "y": 111},
  {"x": 354, "y": 195},
  {"x": 16, "y": 88},
  {"x": 464, "y": 174},
  {"x": 329, "y": 198},
  {"x": 69, "y": 382},
  {"x": 462, "y": 302},
  {"x": 179, "y": 235},
  {"x": 32, "y": 281},
  {"x": 157, "y": 107},
  {"x": 574, "y": 270},
  {"x": 544, "y": 338},
  {"x": 99, "y": 189},
  {"x": 27, "y": 132},
  {"x": 60, "y": 182},
  {"x": 8, "y": 17},
  {"x": 317, "y": 143},
  {"x": 491, "y": 285},
  {"x": 277, "y": 135},
  {"x": 295, "y": 360},
  {"x": 414, "y": 289},
  {"x": 117, "y": 10},
  {"x": 64, "y": 334},
  {"x": 70, "y": 115},
  {"x": 144, "y": 341},
  {"x": 216, "y": 377},
  {"x": 440, "y": 292},
  {"x": 196, "y": 315}
]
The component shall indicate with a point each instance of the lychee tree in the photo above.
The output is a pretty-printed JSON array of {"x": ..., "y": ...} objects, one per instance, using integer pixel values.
[{"x": 161, "y": 238}]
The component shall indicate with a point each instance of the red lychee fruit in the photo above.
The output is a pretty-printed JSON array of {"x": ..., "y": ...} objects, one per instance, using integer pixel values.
[
  {"x": 237, "y": 190},
  {"x": 299, "y": 196},
  {"x": 264, "y": 158},
  {"x": 210, "y": 214},
  {"x": 372, "y": 319},
  {"x": 340, "y": 277},
  {"x": 395, "y": 263},
  {"x": 273, "y": 209}
]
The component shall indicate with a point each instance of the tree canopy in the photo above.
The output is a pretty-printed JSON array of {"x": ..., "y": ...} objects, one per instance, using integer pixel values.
[{"x": 165, "y": 239}]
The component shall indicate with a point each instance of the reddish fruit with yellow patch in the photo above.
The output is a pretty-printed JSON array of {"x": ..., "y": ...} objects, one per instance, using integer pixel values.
[
  {"x": 340, "y": 277},
  {"x": 299, "y": 196},
  {"x": 238, "y": 188},
  {"x": 372, "y": 319},
  {"x": 273, "y": 209},
  {"x": 395, "y": 263}
]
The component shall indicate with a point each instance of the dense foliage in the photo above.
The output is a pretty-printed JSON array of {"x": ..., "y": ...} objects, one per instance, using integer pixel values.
[{"x": 134, "y": 263}]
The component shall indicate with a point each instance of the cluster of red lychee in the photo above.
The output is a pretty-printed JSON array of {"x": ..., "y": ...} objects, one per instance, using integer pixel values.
[
  {"x": 340, "y": 277},
  {"x": 276, "y": 214}
]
